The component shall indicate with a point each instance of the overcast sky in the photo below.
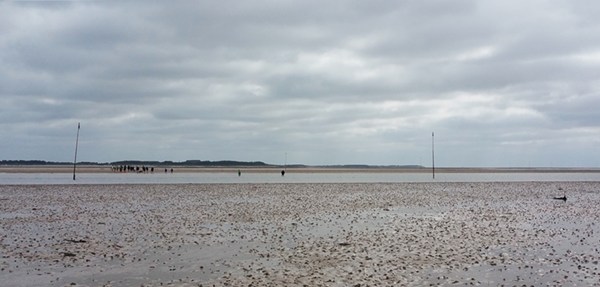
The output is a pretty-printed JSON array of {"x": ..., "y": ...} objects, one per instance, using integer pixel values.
[{"x": 501, "y": 83}]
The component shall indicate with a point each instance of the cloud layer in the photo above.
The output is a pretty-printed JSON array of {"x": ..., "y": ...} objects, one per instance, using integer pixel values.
[{"x": 501, "y": 83}]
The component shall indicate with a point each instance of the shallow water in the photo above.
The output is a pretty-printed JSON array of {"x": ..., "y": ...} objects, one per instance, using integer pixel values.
[{"x": 290, "y": 177}]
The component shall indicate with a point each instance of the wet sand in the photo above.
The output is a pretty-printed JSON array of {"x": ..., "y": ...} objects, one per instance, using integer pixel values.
[{"x": 398, "y": 234}]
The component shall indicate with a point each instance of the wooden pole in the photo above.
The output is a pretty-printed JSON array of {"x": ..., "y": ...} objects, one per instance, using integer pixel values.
[
  {"x": 432, "y": 155},
  {"x": 76, "y": 145}
]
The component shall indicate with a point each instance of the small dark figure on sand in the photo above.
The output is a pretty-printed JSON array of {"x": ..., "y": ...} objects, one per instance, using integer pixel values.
[
  {"x": 563, "y": 198},
  {"x": 282, "y": 172}
]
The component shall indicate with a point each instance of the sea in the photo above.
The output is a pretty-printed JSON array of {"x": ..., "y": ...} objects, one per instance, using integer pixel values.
[{"x": 290, "y": 177}]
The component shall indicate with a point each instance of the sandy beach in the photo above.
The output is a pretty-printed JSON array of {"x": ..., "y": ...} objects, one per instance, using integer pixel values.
[{"x": 397, "y": 234}]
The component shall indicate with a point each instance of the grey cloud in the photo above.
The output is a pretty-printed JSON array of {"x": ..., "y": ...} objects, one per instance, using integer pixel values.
[{"x": 327, "y": 82}]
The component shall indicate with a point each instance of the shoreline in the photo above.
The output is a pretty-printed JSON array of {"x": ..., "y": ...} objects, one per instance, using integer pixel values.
[{"x": 275, "y": 169}]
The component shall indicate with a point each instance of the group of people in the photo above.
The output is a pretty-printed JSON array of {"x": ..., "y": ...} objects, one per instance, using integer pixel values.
[
  {"x": 136, "y": 169},
  {"x": 146, "y": 169}
]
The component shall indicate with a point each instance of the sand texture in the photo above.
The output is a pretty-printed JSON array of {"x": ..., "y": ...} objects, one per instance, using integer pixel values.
[{"x": 400, "y": 234}]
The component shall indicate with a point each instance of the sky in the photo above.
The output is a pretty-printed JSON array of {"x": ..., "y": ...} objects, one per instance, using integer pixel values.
[{"x": 500, "y": 83}]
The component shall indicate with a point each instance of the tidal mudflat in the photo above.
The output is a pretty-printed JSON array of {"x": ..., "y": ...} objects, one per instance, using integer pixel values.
[{"x": 397, "y": 234}]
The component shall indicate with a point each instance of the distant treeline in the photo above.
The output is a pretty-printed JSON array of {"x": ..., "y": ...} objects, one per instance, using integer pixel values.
[
  {"x": 192, "y": 163},
  {"x": 43, "y": 162},
  {"x": 206, "y": 163},
  {"x": 141, "y": 162}
]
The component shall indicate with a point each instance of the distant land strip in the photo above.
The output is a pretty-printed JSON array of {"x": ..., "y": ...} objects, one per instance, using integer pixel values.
[
  {"x": 41, "y": 166},
  {"x": 220, "y": 163},
  {"x": 192, "y": 163}
]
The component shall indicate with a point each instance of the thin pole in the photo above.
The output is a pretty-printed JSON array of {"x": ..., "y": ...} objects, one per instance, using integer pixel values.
[
  {"x": 76, "y": 144},
  {"x": 432, "y": 155}
]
